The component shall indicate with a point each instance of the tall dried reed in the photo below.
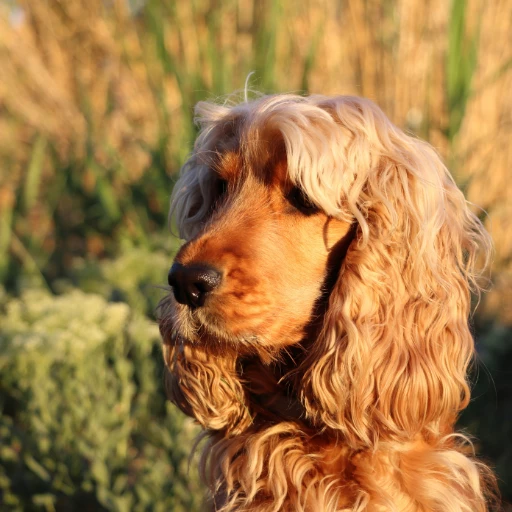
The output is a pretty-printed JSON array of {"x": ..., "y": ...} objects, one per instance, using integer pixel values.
[{"x": 95, "y": 101}]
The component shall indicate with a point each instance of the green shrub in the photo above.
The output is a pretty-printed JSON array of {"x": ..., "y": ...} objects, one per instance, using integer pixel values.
[
  {"x": 136, "y": 276},
  {"x": 489, "y": 415},
  {"x": 84, "y": 424}
]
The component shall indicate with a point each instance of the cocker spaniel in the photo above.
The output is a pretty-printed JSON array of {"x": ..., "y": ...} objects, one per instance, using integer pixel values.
[{"x": 318, "y": 323}]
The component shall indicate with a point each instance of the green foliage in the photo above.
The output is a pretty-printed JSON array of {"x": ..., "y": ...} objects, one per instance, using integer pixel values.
[
  {"x": 84, "y": 423},
  {"x": 138, "y": 276},
  {"x": 6, "y": 217},
  {"x": 461, "y": 65},
  {"x": 489, "y": 415}
]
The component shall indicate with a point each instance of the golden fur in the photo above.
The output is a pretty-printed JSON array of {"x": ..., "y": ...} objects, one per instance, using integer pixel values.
[{"x": 329, "y": 367}]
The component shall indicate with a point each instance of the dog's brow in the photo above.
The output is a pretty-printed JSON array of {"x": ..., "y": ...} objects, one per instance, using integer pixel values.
[
  {"x": 228, "y": 165},
  {"x": 280, "y": 175}
]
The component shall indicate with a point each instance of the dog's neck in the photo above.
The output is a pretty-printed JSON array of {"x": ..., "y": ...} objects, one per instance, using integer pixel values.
[
  {"x": 273, "y": 387},
  {"x": 272, "y": 394}
]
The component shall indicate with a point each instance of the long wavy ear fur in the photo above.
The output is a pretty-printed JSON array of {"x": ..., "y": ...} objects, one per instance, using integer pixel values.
[
  {"x": 194, "y": 193},
  {"x": 390, "y": 363},
  {"x": 391, "y": 360}
]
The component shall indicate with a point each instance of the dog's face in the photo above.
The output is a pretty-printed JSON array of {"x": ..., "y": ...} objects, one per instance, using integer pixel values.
[
  {"x": 266, "y": 204},
  {"x": 254, "y": 273}
]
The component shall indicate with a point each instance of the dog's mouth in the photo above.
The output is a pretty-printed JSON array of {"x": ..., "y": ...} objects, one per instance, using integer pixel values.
[
  {"x": 211, "y": 327},
  {"x": 200, "y": 326}
]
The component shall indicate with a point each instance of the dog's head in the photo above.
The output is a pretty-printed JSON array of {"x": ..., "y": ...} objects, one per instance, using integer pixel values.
[{"x": 316, "y": 223}]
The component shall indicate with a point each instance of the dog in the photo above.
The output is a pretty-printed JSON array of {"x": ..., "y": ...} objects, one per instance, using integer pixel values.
[{"x": 317, "y": 327}]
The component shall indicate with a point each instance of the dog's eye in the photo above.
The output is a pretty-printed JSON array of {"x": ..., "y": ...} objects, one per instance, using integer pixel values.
[
  {"x": 222, "y": 187},
  {"x": 298, "y": 199}
]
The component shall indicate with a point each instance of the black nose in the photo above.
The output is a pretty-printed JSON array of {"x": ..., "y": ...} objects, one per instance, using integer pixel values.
[{"x": 192, "y": 283}]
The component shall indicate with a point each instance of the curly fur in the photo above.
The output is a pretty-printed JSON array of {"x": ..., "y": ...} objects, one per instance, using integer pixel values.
[{"x": 329, "y": 368}]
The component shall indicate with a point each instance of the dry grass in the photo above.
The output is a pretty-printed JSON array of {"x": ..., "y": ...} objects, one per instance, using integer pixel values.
[
  {"x": 90, "y": 90},
  {"x": 483, "y": 145}
]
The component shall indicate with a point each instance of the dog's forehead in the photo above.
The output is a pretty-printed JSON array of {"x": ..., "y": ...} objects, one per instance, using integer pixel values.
[
  {"x": 266, "y": 167},
  {"x": 244, "y": 148}
]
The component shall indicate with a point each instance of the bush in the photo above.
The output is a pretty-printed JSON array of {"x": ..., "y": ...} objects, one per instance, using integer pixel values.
[
  {"x": 83, "y": 419},
  {"x": 489, "y": 415},
  {"x": 136, "y": 276}
]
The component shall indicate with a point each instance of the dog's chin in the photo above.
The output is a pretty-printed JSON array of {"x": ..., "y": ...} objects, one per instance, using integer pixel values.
[
  {"x": 210, "y": 331},
  {"x": 202, "y": 328}
]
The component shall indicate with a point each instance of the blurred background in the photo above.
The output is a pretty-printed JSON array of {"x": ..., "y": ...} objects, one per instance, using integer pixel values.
[{"x": 96, "y": 100}]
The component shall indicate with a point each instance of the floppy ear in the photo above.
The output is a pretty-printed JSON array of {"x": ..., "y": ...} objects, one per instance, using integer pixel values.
[
  {"x": 392, "y": 356},
  {"x": 196, "y": 190},
  {"x": 202, "y": 384}
]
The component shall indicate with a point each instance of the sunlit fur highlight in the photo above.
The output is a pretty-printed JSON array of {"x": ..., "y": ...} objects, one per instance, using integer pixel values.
[{"x": 383, "y": 381}]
